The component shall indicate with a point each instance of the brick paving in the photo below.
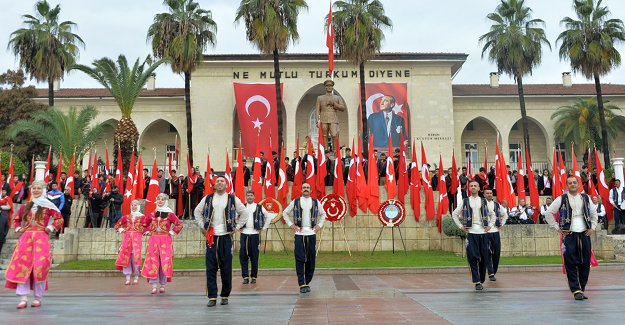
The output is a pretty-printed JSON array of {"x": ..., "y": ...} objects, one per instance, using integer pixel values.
[{"x": 518, "y": 297}]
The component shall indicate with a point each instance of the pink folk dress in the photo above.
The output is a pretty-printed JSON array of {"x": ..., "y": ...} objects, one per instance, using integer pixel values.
[
  {"x": 129, "y": 256},
  {"x": 159, "y": 257},
  {"x": 32, "y": 256}
]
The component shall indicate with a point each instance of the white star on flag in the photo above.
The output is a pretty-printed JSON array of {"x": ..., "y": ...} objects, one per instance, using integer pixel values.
[{"x": 257, "y": 123}]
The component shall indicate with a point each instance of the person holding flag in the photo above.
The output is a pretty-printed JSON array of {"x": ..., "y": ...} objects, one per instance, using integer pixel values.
[{"x": 576, "y": 223}]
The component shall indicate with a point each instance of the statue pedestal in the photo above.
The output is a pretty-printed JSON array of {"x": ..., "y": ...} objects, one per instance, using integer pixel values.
[
  {"x": 617, "y": 164},
  {"x": 40, "y": 170}
]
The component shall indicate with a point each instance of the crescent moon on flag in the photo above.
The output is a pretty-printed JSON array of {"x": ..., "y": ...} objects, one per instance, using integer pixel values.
[
  {"x": 311, "y": 163},
  {"x": 282, "y": 178},
  {"x": 370, "y": 101},
  {"x": 257, "y": 98}
]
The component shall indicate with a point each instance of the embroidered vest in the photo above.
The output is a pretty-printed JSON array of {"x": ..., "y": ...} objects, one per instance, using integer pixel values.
[
  {"x": 615, "y": 196},
  {"x": 259, "y": 217},
  {"x": 566, "y": 212},
  {"x": 497, "y": 214},
  {"x": 467, "y": 212},
  {"x": 230, "y": 212},
  {"x": 297, "y": 213}
]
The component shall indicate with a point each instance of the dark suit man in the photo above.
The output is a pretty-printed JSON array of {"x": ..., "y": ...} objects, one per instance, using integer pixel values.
[{"x": 385, "y": 124}]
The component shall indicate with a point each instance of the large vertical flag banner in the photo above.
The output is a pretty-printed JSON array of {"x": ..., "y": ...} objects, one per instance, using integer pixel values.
[
  {"x": 387, "y": 113},
  {"x": 128, "y": 191},
  {"x": 427, "y": 186},
  {"x": 443, "y": 200},
  {"x": 296, "y": 187},
  {"x": 153, "y": 190},
  {"x": 310, "y": 171},
  {"x": 321, "y": 166},
  {"x": 415, "y": 185},
  {"x": 555, "y": 176},
  {"x": 602, "y": 186},
  {"x": 330, "y": 41},
  {"x": 257, "y": 111}
]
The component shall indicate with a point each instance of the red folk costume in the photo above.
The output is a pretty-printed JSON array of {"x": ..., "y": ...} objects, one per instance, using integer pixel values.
[
  {"x": 132, "y": 228},
  {"x": 162, "y": 225},
  {"x": 32, "y": 256}
]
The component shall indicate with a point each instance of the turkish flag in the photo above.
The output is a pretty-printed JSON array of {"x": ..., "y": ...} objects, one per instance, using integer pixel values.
[
  {"x": 415, "y": 185},
  {"x": 374, "y": 93},
  {"x": 257, "y": 112},
  {"x": 69, "y": 182},
  {"x": 239, "y": 187},
  {"x": 153, "y": 190},
  {"x": 603, "y": 188},
  {"x": 228, "y": 176},
  {"x": 283, "y": 185},
  {"x": 556, "y": 185},
  {"x": 321, "y": 167},
  {"x": 119, "y": 180},
  {"x": 563, "y": 175},
  {"x": 534, "y": 198},
  {"x": 592, "y": 190},
  {"x": 139, "y": 180},
  {"x": 373, "y": 199},
  {"x": 427, "y": 186},
  {"x": 455, "y": 181},
  {"x": 310, "y": 171},
  {"x": 338, "y": 186},
  {"x": 498, "y": 176},
  {"x": 11, "y": 175},
  {"x": 94, "y": 172},
  {"x": 208, "y": 182},
  {"x": 362, "y": 190},
  {"x": 507, "y": 183},
  {"x": 330, "y": 41},
  {"x": 389, "y": 182},
  {"x": 443, "y": 200},
  {"x": 257, "y": 181},
  {"x": 402, "y": 181},
  {"x": 191, "y": 176},
  {"x": 107, "y": 165},
  {"x": 46, "y": 176},
  {"x": 59, "y": 170},
  {"x": 520, "y": 182},
  {"x": 296, "y": 188},
  {"x": 130, "y": 180},
  {"x": 351, "y": 183}
]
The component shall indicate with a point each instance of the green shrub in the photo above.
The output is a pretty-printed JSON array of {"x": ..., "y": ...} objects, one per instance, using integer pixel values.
[
  {"x": 18, "y": 165},
  {"x": 451, "y": 229}
]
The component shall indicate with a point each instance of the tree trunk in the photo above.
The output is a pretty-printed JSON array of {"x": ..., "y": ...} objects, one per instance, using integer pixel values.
[
  {"x": 604, "y": 129},
  {"x": 187, "y": 110},
  {"x": 50, "y": 92},
  {"x": 363, "y": 113},
  {"x": 526, "y": 134},
  {"x": 276, "y": 74}
]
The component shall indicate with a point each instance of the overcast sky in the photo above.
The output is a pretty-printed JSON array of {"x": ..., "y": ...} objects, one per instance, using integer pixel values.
[{"x": 113, "y": 27}]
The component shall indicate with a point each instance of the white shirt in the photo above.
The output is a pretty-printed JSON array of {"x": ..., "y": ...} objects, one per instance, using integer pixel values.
[
  {"x": 248, "y": 229},
  {"x": 619, "y": 192},
  {"x": 577, "y": 219},
  {"x": 306, "y": 205},
  {"x": 477, "y": 226},
  {"x": 219, "y": 206},
  {"x": 521, "y": 212},
  {"x": 502, "y": 213},
  {"x": 547, "y": 181},
  {"x": 601, "y": 212}
]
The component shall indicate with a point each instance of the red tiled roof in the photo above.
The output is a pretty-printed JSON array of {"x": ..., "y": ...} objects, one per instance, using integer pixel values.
[
  {"x": 537, "y": 90},
  {"x": 102, "y": 92}
]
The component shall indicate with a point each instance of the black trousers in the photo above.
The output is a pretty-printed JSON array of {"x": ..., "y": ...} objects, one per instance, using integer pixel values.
[
  {"x": 477, "y": 256},
  {"x": 219, "y": 256},
  {"x": 4, "y": 227},
  {"x": 250, "y": 248},
  {"x": 494, "y": 252},
  {"x": 619, "y": 217},
  {"x": 576, "y": 253},
  {"x": 305, "y": 248}
]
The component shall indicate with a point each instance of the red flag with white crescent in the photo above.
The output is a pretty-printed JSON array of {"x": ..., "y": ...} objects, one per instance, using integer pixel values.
[
  {"x": 351, "y": 183},
  {"x": 153, "y": 190},
  {"x": 402, "y": 177},
  {"x": 119, "y": 180},
  {"x": 563, "y": 174},
  {"x": 191, "y": 176},
  {"x": 257, "y": 113},
  {"x": 283, "y": 185},
  {"x": 208, "y": 182},
  {"x": 362, "y": 190},
  {"x": 321, "y": 166},
  {"x": 296, "y": 188},
  {"x": 520, "y": 182},
  {"x": 257, "y": 180},
  {"x": 129, "y": 190},
  {"x": 373, "y": 199},
  {"x": 389, "y": 182},
  {"x": 592, "y": 189},
  {"x": 602, "y": 186},
  {"x": 556, "y": 185},
  {"x": 415, "y": 185},
  {"x": 139, "y": 179},
  {"x": 443, "y": 200},
  {"x": 228, "y": 176},
  {"x": 59, "y": 170},
  {"x": 107, "y": 165},
  {"x": 338, "y": 186},
  {"x": 69, "y": 182},
  {"x": 576, "y": 171},
  {"x": 330, "y": 41},
  {"x": 310, "y": 171},
  {"x": 427, "y": 186},
  {"x": 534, "y": 197},
  {"x": 46, "y": 176}
]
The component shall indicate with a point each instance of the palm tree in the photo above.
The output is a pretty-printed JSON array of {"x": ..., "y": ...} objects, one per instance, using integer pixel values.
[
  {"x": 125, "y": 84},
  {"x": 358, "y": 38},
  {"x": 181, "y": 35},
  {"x": 64, "y": 132},
  {"x": 579, "y": 123},
  {"x": 47, "y": 47},
  {"x": 271, "y": 25},
  {"x": 514, "y": 43},
  {"x": 589, "y": 43}
]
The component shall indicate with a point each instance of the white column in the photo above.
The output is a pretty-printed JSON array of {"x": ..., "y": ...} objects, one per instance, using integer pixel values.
[
  {"x": 40, "y": 170},
  {"x": 617, "y": 164}
]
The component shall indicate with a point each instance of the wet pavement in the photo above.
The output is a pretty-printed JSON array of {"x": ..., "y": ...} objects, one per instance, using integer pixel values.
[{"x": 518, "y": 297}]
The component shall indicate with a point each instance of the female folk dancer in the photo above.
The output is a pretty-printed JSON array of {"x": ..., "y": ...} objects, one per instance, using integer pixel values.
[
  {"x": 129, "y": 256},
  {"x": 161, "y": 226},
  {"x": 32, "y": 257}
]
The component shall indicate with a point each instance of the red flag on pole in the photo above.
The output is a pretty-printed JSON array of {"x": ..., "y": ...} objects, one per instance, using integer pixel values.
[
  {"x": 555, "y": 173},
  {"x": 119, "y": 180},
  {"x": 69, "y": 182},
  {"x": 389, "y": 183},
  {"x": 107, "y": 165},
  {"x": 11, "y": 175},
  {"x": 338, "y": 186},
  {"x": 59, "y": 169},
  {"x": 415, "y": 184},
  {"x": 129, "y": 191},
  {"x": 310, "y": 171},
  {"x": 140, "y": 184},
  {"x": 534, "y": 198},
  {"x": 443, "y": 200},
  {"x": 257, "y": 109},
  {"x": 520, "y": 182},
  {"x": 257, "y": 182},
  {"x": 283, "y": 185},
  {"x": 191, "y": 177},
  {"x": 208, "y": 182},
  {"x": 239, "y": 187},
  {"x": 498, "y": 176},
  {"x": 330, "y": 42},
  {"x": 576, "y": 171},
  {"x": 296, "y": 188},
  {"x": 351, "y": 183},
  {"x": 46, "y": 176},
  {"x": 563, "y": 174},
  {"x": 94, "y": 172},
  {"x": 486, "y": 159},
  {"x": 362, "y": 190},
  {"x": 373, "y": 200},
  {"x": 603, "y": 188},
  {"x": 592, "y": 189},
  {"x": 455, "y": 181},
  {"x": 427, "y": 185},
  {"x": 507, "y": 182},
  {"x": 321, "y": 167},
  {"x": 402, "y": 181},
  {"x": 153, "y": 190},
  {"x": 228, "y": 176},
  {"x": 270, "y": 176}
]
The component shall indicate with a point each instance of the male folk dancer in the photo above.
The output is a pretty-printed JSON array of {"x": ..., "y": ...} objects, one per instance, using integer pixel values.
[
  {"x": 478, "y": 220},
  {"x": 258, "y": 219},
  {"x": 576, "y": 222},
  {"x": 216, "y": 214},
  {"x": 617, "y": 199},
  {"x": 308, "y": 217},
  {"x": 601, "y": 212},
  {"x": 494, "y": 242},
  {"x": 543, "y": 209}
]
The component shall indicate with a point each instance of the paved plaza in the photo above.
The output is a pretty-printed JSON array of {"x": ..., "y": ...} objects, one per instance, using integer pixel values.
[{"x": 520, "y": 296}]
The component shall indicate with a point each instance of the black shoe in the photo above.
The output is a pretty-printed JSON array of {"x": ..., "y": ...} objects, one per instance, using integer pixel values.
[
  {"x": 579, "y": 296},
  {"x": 492, "y": 278},
  {"x": 212, "y": 303},
  {"x": 585, "y": 297},
  {"x": 307, "y": 289},
  {"x": 302, "y": 290},
  {"x": 246, "y": 281},
  {"x": 224, "y": 301},
  {"x": 479, "y": 287},
  {"x": 253, "y": 280}
]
